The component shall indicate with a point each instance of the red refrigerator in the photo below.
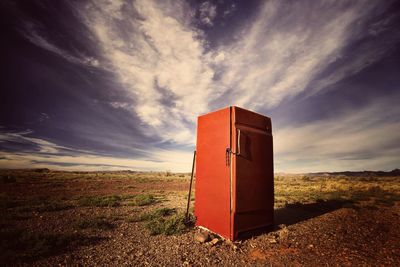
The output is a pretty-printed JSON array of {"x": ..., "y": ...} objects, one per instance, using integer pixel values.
[{"x": 234, "y": 172}]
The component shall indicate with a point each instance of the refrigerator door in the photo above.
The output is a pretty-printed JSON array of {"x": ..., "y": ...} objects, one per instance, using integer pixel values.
[
  {"x": 213, "y": 202},
  {"x": 253, "y": 172}
]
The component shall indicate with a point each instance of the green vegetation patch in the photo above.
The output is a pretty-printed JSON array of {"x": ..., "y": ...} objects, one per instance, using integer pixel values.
[
  {"x": 39, "y": 204},
  {"x": 164, "y": 221},
  {"x": 7, "y": 202},
  {"x": 192, "y": 197},
  {"x": 155, "y": 214},
  {"x": 143, "y": 200},
  {"x": 357, "y": 190},
  {"x": 144, "y": 179},
  {"x": 169, "y": 225},
  {"x": 100, "y": 201},
  {"x": 99, "y": 223},
  {"x": 7, "y": 179},
  {"x": 45, "y": 206},
  {"x": 19, "y": 245}
]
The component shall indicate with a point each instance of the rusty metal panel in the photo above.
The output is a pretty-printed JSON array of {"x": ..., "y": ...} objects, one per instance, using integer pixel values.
[
  {"x": 234, "y": 172},
  {"x": 212, "y": 205}
]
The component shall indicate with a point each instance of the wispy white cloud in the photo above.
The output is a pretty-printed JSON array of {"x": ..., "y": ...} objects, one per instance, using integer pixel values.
[
  {"x": 160, "y": 60},
  {"x": 22, "y": 138},
  {"x": 355, "y": 140},
  {"x": 177, "y": 161},
  {"x": 283, "y": 52},
  {"x": 172, "y": 75},
  {"x": 229, "y": 11},
  {"x": 50, "y": 155},
  {"x": 207, "y": 13},
  {"x": 31, "y": 33},
  {"x": 40, "y": 145}
]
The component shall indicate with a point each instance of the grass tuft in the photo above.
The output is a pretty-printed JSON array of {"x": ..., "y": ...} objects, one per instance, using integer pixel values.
[
  {"x": 164, "y": 221},
  {"x": 156, "y": 214},
  {"x": 29, "y": 205},
  {"x": 102, "y": 201},
  {"x": 45, "y": 206},
  {"x": 19, "y": 245},
  {"x": 170, "y": 225},
  {"x": 143, "y": 200},
  {"x": 7, "y": 202},
  {"x": 94, "y": 223},
  {"x": 6, "y": 179}
]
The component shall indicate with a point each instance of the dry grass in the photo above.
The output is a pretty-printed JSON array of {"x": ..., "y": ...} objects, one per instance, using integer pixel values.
[
  {"x": 168, "y": 224},
  {"x": 164, "y": 221},
  {"x": 143, "y": 200},
  {"x": 101, "y": 203},
  {"x": 98, "y": 223},
  {"x": 21, "y": 245},
  {"x": 32, "y": 204},
  {"x": 155, "y": 214},
  {"x": 362, "y": 190}
]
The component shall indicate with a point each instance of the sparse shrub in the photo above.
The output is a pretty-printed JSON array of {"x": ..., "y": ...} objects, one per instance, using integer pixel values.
[
  {"x": 6, "y": 179},
  {"x": 42, "y": 170},
  {"x": 28, "y": 205},
  {"x": 102, "y": 201},
  {"x": 7, "y": 202},
  {"x": 44, "y": 205},
  {"x": 125, "y": 197},
  {"x": 378, "y": 195},
  {"x": 192, "y": 198},
  {"x": 170, "y": 225},
  {"x": 141, "y": 179},
  {"x": 158, "y": 213},
  {"x": 143, "y": 200},
  {"x": 155, "y": 214},
  {"x": 94, "y": 223},
  {"x": 164, "y": 221},
  {"x": 283, "y": 234},
  {"x": 20, "y": 245}
]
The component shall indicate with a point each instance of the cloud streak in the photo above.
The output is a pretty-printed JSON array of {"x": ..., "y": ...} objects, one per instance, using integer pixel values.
[
  {"x": 46, "y": 154},
  {"x": 286, "y": 49},
  {"x": 160, "y": 54},
  {"x": 31, "y": 33},
  {"x": 354, "y": 140},
  {"x": 162, "y": 61}
]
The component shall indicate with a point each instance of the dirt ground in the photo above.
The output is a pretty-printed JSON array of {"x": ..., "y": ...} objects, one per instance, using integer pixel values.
[{"x": 51, "y": 218}]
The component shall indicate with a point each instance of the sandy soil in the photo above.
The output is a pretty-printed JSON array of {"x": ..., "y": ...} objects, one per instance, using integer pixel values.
[{"x": 310, "y": 234}]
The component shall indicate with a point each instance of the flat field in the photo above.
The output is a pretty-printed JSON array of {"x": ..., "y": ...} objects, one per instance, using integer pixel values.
[{"x": 53, "y": 218}]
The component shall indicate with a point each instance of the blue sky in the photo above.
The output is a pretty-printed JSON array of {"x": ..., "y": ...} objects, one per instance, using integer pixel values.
[{"x": 108, "y": 85}]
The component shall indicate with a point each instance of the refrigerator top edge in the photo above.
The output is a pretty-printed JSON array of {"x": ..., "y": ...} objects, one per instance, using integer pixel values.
[{"x": 233, "y": 107}]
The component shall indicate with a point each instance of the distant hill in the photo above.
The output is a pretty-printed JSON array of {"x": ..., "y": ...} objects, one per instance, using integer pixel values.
[{"x": 395, "y": 172}]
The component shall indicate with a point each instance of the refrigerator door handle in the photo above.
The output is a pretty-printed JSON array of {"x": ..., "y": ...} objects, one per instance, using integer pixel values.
[
  {"x": 238, "y": 143},
  {"x": 227, "y": 156},
  {"x": 229, "y": 151}
]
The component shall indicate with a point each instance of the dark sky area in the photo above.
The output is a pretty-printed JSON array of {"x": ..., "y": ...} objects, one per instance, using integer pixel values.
[{"x": 108, "y": 85}]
